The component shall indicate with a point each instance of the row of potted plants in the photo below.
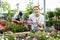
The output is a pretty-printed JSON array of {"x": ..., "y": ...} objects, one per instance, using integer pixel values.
[
  {"x": 11, "y": 27},
  {"x": 41, "y": 35}
]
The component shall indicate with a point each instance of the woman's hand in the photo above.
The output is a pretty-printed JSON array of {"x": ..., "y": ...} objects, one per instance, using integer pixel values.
[
  {"x": 39, "y": 24},
  {"x": 22, "y": 21},
  {"x": 17, "y": 21}
]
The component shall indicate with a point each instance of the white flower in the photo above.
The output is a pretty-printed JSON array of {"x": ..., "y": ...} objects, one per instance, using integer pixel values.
[{"x": 47, "y": 36}]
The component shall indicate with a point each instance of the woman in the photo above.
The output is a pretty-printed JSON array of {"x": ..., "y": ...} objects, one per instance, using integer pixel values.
[
  {"x": 37, "y": 19},
  {"x": 18, "y": 17}
]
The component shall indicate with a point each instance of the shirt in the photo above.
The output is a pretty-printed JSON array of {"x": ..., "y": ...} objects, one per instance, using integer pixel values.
[
  {"x": 16, "y": 14},
  {"x": 34, "y": 18}
]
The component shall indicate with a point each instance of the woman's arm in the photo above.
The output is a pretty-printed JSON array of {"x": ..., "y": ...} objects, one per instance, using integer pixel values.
[
  {"x": 39, "y": 24},
  {"x": 14, "y": 20}
]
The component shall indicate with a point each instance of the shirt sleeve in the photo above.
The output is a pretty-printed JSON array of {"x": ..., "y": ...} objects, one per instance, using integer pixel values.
[
  {"x": 30, "y": 16},
  {"x": 42, "y": 20}
]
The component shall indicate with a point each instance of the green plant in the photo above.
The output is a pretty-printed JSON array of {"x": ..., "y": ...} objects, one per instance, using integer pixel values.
[
  {"x": 3, "y": 23},
  {"x": 50, "y": 15},
  {"x": 27, "y": 12},
  {"x": 57, "y": 12},
  {"x": 56, "y": 24},
  {"x": 15, "y": 28},
  {"x": 11, "y": 38}
]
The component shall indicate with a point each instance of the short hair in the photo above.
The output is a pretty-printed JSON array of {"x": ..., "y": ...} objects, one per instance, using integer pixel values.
[
  {"x": 20, "y": 13},
  {"x": 37, "y": 7}
]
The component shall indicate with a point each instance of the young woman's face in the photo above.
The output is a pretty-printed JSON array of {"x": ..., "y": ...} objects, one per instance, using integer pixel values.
[{"x": 36, "y": 11}]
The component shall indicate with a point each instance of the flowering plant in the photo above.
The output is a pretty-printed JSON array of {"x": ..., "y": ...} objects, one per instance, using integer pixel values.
[{"x": 3, "y": 27}]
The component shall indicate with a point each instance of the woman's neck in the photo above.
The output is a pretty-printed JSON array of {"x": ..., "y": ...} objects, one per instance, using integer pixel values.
[{"x": 37, "y": 15}]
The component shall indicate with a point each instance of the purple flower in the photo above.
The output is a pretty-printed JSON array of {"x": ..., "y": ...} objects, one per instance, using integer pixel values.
[{"x": 34, "y": 38}]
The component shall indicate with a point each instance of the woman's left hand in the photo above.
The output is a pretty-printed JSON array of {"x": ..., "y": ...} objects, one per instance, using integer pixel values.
[{"x": 21, "y": 21}]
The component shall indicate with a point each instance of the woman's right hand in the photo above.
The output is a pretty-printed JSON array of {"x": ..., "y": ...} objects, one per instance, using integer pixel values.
[{"x": 18, "y": 21}]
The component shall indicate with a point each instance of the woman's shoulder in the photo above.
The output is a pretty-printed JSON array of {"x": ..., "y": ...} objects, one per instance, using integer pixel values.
[
  {"x": 41, "y": 15},
  {"x": 32, "y": 14}
]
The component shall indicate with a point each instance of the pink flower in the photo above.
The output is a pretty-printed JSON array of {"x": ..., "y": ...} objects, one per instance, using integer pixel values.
[
  {"x": 34, "y": 38},
  {"x": 6, "y": 27},
  {"x": 30, "y": 21},
  {"x": 17, "y": 25},
  {"x": 1, "y": 27},
  {"x": 25, "y": 25},
  {"x": 27, "y": 37},
  {"x": 0, "y": 24},
  {"x": 48, "y": 34}
]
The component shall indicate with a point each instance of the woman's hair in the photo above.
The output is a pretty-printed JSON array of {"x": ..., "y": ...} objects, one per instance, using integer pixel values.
[
  {"x": 37, "y": 7},
  {"x": 20, "y": 13}
]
